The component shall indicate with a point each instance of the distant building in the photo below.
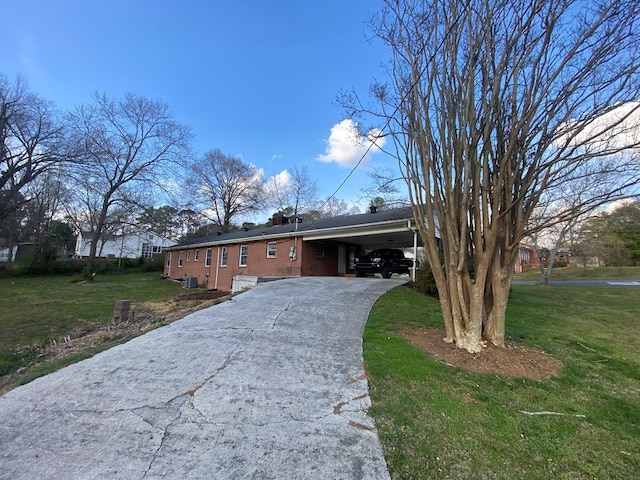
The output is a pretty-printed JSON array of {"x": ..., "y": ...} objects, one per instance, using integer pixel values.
[
  {"x": 16, "y": 253},
  {"x": 5, "y": 253},
  {"x": 132, "y": 245},
  {"x": 527, "y": 258}
]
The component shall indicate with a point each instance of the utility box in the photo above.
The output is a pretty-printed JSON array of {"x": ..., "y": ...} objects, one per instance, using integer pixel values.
[{"x": 191, "y": 282}]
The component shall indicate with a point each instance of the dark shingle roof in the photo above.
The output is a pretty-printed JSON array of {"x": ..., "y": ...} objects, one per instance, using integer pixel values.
[{"x": 306, "y": 226}]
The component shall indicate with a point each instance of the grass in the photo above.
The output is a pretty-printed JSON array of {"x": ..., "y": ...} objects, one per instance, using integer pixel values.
[
  {"x": 37, "y": 310},
  {"x": 579, "y": 273},
  {"x": 436, "y": 421}
]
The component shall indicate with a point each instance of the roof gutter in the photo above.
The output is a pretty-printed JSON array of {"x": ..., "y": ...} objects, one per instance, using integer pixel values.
[
  {"x": 216, "y": 243},
  {"x": 390, "y": 226}
]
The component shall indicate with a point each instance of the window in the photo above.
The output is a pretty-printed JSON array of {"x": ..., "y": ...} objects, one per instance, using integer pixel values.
[
  {"x": 188, "y": 255},
  {"x": 147, "y": 250},
  {"x": 196, "y": 254},
  {"x": 243, "y": 255},
  {"x": 207, "y": 258},
  {"x": 320, "y": 252},
  {"x": 271, "y": 249},
  {"x": 180, "y": 253},
  {"x": 223, "y": 257},
  {"x": 168, "y": 259}
]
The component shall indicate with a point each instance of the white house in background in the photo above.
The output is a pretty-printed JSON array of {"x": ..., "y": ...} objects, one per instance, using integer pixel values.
[
  {"x": 131, "y": 245},
  {"x": 4, "y": 254},
  {"x": 16, "y": 253}
]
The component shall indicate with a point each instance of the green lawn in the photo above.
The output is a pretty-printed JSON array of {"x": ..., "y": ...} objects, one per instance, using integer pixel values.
[
  {"x": 36, "y": 310},
  {"x": 436, "y": 421},
  {"x": 579, "y": 273}
]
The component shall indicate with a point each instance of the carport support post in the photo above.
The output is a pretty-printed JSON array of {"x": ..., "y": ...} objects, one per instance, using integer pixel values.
[{"x": 415, "y": 253}]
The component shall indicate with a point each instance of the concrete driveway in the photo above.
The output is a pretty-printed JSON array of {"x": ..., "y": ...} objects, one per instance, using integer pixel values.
[{"x": 269, "y": 385}]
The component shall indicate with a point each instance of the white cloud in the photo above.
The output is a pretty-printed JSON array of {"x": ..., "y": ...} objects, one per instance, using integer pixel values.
[
  {"x": 616, "y": 130},
  {"x": 613, "y": 206},
  {"x": 346, "y": 146},
  {"x": 277, "y": 183}
]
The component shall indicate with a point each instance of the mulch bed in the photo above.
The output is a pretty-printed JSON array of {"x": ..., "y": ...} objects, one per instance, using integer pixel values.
[{"x": 513, "y": 361}]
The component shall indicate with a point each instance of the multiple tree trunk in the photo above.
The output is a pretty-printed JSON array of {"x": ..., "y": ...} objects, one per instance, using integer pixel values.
[{"x": 491, "y": 106}]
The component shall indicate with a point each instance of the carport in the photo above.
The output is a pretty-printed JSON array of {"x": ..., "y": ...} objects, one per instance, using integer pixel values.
[
  {"x": 292, "y": 247},
  {"x": 378, "y": 229}
]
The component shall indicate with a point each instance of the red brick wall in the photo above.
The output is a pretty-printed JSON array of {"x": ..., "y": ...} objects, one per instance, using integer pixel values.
[
  {"x": 312, "y": 259},
  {"x": 257, "y": 263},
  {"x": 315, "y": 266},
  {"x": 527, "y": 259}
]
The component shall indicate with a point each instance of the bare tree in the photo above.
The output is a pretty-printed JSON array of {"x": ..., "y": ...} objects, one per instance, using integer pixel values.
[
  {"x": 129, "y": 146},
  {"x": 31, "y": 142},
  {"x": 47, "y": 193},
  {"x": 292, "y": 190},
  {"x": 490, "y": 104},
  {"x": 228, "y": 187},
  {"x": 388, "y": 185},
  {"x": 332, "y": 207},
  {"x": 564, "y": 206},
  {"x": 549, "y": 240}
]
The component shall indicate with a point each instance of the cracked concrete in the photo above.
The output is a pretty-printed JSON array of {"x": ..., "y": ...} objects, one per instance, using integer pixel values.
[{"x": 268, "y": 385}]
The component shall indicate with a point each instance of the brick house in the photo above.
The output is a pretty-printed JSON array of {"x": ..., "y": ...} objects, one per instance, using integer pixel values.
[
  {"x": 328, "y": 247},
  {"x": 527, "y": 258}
]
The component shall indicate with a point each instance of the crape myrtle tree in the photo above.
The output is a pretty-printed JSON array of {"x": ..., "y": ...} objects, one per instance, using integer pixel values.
[
  {"x": 226, "y": 188},
  {"x": 130, "y": 147},
  {"x": 491, "y": 103}
]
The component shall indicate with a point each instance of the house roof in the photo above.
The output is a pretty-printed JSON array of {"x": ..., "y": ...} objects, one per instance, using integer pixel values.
[
  {"x": 371, "y": 230},
  {"x": 105, "y": 236}
]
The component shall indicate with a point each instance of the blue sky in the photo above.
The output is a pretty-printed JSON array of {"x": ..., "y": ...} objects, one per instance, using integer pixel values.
[{"x": 256, "y": 79}]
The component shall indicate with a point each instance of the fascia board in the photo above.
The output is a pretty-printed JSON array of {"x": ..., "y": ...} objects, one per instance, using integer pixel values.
[
  {"x": 237, "y": 241},
  {"x": 391, "y": 226},
  {"x": 256, "y": 238}
]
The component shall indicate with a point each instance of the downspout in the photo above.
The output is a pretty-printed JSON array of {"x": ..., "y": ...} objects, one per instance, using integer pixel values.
[
  {"x": 215, "y": 283},
  {"x": 293, "y": 254},
  {"x": 295, "y": 247}
]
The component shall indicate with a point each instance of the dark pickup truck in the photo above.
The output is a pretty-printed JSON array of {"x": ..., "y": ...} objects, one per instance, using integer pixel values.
[{"x": 386, "y": 261}]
